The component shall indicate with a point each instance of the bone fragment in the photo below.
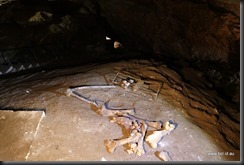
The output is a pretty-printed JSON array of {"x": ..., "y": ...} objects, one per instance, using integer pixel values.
[
  {"x": 111, "y": 145},
  {"x": 157, "y": 135},
  {"x": 155, "y": 124},
  {"x": 164, "y": 156},
  {"x": 69, "y": 92},
  {"x": 132, "y": 148}
]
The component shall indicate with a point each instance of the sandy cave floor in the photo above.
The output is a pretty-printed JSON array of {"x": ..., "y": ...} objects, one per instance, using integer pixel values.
[{"x": 72, "y": 131}]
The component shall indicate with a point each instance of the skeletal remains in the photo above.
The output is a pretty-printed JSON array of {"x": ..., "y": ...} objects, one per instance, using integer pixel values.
[{"x": 134, "y": 128}]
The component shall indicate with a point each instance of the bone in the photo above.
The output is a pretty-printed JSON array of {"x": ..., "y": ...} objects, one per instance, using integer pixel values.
[
  {"x": 132, "y": 148},
  {"x": 132, "y": 122},
  {"x": 140, "y": 147},
  {"x": 157, "y": 135},
  {"x": 111, "y": 145},
  {"x": 154, "y": 138},
  {"x": 122, "y": 120},
  {"x": 163, "y": 155},
  {"x": 93, "y": 87},
  {"x": 140, "y": 126},
  {"x": 153, "y": 124},
  {"x": 105, "y": 111},
  {"x": 135, "y": 127},
  {"x": 71, "y": 92}
]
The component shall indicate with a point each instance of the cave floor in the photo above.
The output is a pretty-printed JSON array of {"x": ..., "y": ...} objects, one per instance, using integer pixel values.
[{"x": 71, "y": 131}]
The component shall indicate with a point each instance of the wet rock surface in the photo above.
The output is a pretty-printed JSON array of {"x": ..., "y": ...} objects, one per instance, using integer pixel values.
[{"x": 71, "y": 130}]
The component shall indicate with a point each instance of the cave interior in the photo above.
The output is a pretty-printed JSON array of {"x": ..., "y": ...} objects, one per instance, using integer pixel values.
[{"x": 190, "y": 47}]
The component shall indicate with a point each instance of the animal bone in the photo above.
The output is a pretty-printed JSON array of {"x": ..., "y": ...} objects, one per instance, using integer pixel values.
[
  {"x": 93, "y": 87},
  {"x": 111, "y": 145},
  {"x": 132, "y": 148},
  {"x": 127, "y": 120},
  {"x": 153, "y": 124},
  {"x": 71, "y": 92},
  {"x": 135, "y": 127},
  {"x": 140, "y": 125},
  {"x": 163, "y": 155},
  {"x": 140, "y": 145},
  {"x": 133, "y": 124},
  {"x": 135, "y": 141},
  {"x": 105, "y": 111},
  {"x": 122, "y": 120},
  {"x": 157, "y": 135}
]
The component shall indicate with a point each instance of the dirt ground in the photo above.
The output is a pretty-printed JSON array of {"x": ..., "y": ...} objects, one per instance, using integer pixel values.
[{"x": 71, "y": 130}]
